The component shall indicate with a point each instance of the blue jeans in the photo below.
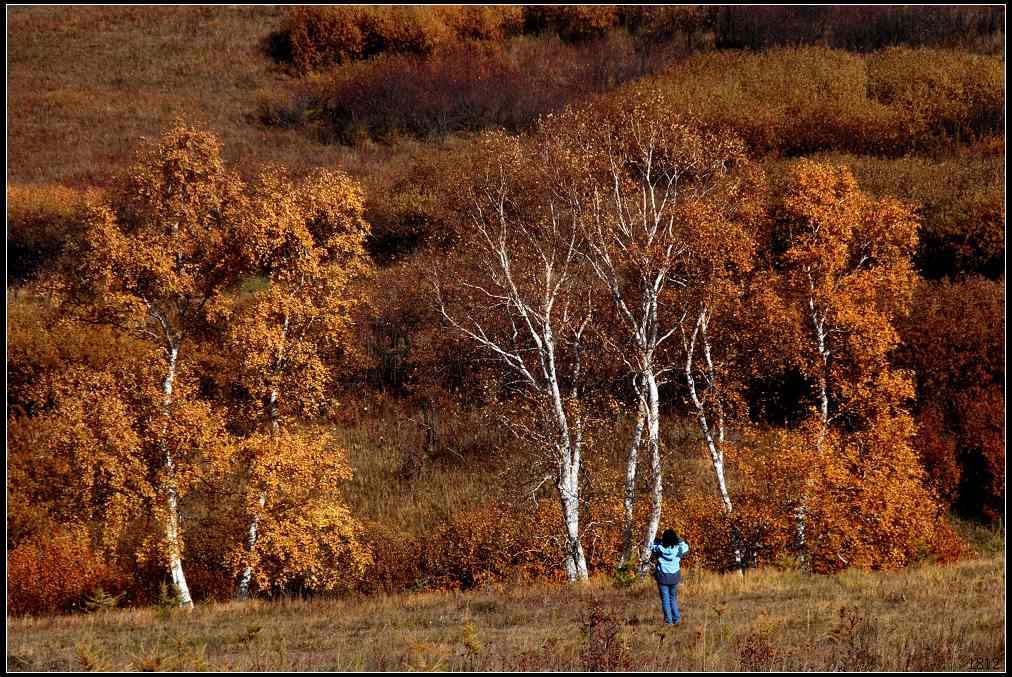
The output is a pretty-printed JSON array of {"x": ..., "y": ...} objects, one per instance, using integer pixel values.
[{"x": 669, "y": 600}]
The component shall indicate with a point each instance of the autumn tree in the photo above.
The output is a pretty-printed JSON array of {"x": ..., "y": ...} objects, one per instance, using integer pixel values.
[
  {"x": 524, "y": 301},
  {"x": 285, "y": 338},
  {"x": 846, "y": 261},
  {"x": 659, "y": 203},
  {"x": 73, "y": 452},
  {"x": 147, "y": 265}
]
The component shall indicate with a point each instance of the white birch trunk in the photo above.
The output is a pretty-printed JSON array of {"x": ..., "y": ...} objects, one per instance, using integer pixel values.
[
  {"x": 657, "y": 480},
  {"x": 272, "y": 411},
  {"x": 569, "y": 467},
  {"x": 576, "y": 561},
  {"x": 712, "y": 377},
  {"x": 716, "y": 454},
  {"x": 251, "y": 540},
  {"x": 801, "y": 514},
  {"x": 172, "y": 536},
  {"x": 630, "y": 484}
]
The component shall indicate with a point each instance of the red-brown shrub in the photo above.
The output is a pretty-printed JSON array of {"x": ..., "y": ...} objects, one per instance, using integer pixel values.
[
  {"x": 959, "y": 361},
  {"x": 55, "y": 572},
  {"x": 474, "y": 86}
]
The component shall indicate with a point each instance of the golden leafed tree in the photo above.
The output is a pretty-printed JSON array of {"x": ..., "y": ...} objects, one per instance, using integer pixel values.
[
  {"x": 304, "y": 243},
  {"x": 666, "y": 210},
  {"x": 146, "y": 265},
  {"x": 846, "y": 261}
]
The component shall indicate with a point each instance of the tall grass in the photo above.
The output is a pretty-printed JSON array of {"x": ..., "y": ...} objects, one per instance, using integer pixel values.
[{"x": 924, "y": 618}]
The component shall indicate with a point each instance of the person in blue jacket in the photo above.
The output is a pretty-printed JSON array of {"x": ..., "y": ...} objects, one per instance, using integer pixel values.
[{"x": 670, "y": 549}]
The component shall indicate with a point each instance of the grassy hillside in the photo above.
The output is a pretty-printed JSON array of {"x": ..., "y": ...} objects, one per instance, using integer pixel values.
[
  {"x": 922, "y": 619},
  {"x": 83, "y": 85}
]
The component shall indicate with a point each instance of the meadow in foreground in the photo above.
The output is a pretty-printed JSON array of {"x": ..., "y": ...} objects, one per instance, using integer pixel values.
[{"x": 925, "y": 618}]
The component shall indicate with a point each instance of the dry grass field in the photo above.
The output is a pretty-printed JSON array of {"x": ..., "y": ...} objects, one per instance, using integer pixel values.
[
  {"x": 83, "y": 85},
  {"x": 925, "y": 618}
]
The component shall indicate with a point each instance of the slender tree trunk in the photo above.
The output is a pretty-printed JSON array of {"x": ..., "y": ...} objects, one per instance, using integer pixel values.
[
  {"x": 801, "y": 513},
  {"x": 172, "y": 535},
  {"x": 630, "y": 482},
  {"x": 568, "y": 486},
  {"x": 657, "y": 480},
  {"x": 712, "y": 376},
  {"x": 716, "y": 454},
  {"x": 272, "y": 412},
  {"x": 569, "y": 450}
]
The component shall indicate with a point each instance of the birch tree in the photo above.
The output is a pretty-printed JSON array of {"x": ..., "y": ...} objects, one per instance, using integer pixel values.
[
  {"x": 524, "y": 302},
  {"x": 847, "y": 267},
  {"x": 147, "y": 265},
  {"x": 653, "y": 193},
  {"x": 305, "y": 241}
]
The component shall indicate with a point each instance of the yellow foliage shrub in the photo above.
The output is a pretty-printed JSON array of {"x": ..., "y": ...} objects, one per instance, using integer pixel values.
[
  {"x": 939, "y": 94},
  {"x": 797, "y": 101}
]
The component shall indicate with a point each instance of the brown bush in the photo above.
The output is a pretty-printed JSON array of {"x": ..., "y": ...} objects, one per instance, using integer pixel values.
[
  {"x": 55, "y": 572},
  {"x": 473, "y": 86},
  {"x": 605, "y": 649},
  {"x": 939, "y": 95},
  {"x": 862, "y": 29},
  {"x": 40, "y": 220}
]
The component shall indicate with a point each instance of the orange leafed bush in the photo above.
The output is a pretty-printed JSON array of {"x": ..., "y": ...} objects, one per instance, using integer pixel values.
[
  {"x": 40, "y": 219},
  {"x": 55, "y": 571},
  {"x": 317, "y": 37},
  {"x": 939, "y": 93},
  {"x": 796, "y": 101},
  {"x": 483, "y": 22}
]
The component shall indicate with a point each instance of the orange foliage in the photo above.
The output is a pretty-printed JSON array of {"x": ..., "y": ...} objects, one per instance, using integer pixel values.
[
  {"x": 847, "y": 265},
  {"x": 40, "y": 220},
  {"x": 55, "y": 572},
  {"x": 316, "y": 37}
]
